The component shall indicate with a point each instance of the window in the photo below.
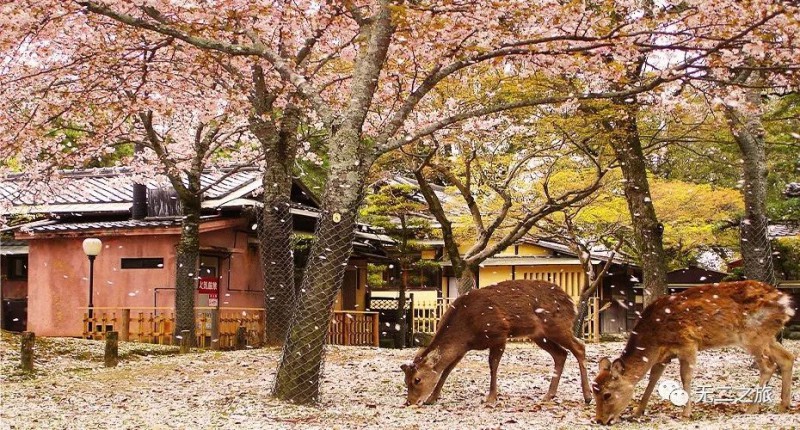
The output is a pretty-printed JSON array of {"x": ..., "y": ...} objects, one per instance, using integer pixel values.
[
  {"x": 17, "y": 267},
  {"x": 142, "y": 263}
]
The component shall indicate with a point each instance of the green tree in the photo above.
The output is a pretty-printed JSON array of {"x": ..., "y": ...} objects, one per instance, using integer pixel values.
[{"x": 398, "y": 209}]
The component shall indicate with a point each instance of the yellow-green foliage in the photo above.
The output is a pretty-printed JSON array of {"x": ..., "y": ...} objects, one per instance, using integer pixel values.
[
  {"x": 788, "y": 257},
  {"x": 691, "y": 214}
]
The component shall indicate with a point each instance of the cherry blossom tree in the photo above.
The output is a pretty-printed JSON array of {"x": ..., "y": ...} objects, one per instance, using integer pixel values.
[
  {"x": 367, "y": 72},
  {"x": 506, "y": 177},
  {"x": 68, "y": 107}
]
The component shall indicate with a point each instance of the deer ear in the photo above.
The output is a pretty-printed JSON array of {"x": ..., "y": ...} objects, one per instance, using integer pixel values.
[
  {"x": 617, "y": 367},
  {"x": 605, "y": 364},
  {"x": 433, "y": 357},
  {"x": 405, "y": 367}
]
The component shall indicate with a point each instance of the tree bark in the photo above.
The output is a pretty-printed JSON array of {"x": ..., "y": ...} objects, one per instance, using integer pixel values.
[
  {"x": 400, "y": 338},
  {"x": 299, "y": 372},
  {"x": 275, "y": 225},
  {"x": 583, "y": 310},
  {"x": 300, "y": 369},
  {"x": 277, "y": 258},
  {"x": 648, "y": 231},
  {"x": 756, "y": 250},
  {"x": 467, "y": 279},
  {"x": 187, "y": 255}
]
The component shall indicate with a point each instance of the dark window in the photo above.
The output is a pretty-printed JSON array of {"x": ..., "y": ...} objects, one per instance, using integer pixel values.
[
  {"x": 142, "y": 263},
  {"x": 17, "y": 267}
]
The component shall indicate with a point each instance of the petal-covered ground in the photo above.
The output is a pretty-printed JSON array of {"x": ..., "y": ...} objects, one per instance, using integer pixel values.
[{"x": 154, "y": 388}]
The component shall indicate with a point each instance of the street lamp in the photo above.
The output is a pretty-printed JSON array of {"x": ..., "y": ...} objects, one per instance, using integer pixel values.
[{"x": 91, "y": 247}]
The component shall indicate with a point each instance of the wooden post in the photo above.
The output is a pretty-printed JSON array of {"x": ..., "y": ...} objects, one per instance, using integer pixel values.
[
  {"x": 26, "y": 353},
  {"x": 184, "y": 341},
  {"x": 596, "y": 320},
  {"x": 112, "y": 349},
  {"x": 215, "y": 329},
  {"x": 125, "y": 326},
  {"x": 409, "y": 340},
  {"x": 241, "y": 337},
  {"x": 346, "y": 330},
  {"x": 86, "y": 326},
  {"x": 376, "y": 330}
]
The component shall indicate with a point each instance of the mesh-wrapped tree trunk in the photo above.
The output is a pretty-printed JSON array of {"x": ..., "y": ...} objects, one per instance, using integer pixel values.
[
  {"x": 275, "y": 224},
  {"x": 187, "y": 255},
  {"x": 755, "y": 245},
  {"x": 277, "y": 261},
  {"x": 466, "y": 280},
  {"x": 648, "y": 231},
  {"x": 299, "y": 373}
]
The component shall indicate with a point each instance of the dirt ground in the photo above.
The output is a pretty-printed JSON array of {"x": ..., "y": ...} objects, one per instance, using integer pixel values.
[{"x": 153, "y": 387}]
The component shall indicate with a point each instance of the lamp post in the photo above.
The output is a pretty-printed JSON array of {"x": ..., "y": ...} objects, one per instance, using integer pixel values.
[{"x": 91, "y": 247}]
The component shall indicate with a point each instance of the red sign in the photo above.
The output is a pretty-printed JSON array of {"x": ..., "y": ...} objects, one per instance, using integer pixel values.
[{"x": 209, "y": 285}]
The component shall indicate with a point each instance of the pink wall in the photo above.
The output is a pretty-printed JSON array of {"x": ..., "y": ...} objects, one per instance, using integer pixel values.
[{"x": 58, "y": 285}]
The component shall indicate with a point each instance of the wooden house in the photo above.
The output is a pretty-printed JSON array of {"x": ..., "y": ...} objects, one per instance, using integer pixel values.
[{"x": 45, "y": 272}]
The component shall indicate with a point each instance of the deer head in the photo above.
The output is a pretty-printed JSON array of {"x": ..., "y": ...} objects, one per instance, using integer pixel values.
[
  {"x": 612, "y": 391},
  {"x": 421, "y": 379}
]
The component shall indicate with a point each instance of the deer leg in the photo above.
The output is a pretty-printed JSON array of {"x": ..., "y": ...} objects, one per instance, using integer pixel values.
[
  {"x": 687, "y": 368},
  {"x": 785, "y": 360},
  {"x": 655, "y": 375},
  {"x": 495, "y": 353},
  {"x": 578, "y": 350},
  {"x": 559, "y": 355},
  {"x": 766, "y": 368},
  {"x": 438, "y": 390}
]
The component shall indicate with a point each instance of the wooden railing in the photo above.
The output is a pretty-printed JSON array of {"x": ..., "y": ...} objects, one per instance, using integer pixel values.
[
  {"x": 591, "y": 324},
  {"x": 216, "y": 328},
  {"x": 354, "y": 328},
  {"x": 427, "y": 314}
]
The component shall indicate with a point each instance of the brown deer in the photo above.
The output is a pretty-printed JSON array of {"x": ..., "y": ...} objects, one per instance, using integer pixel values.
[
  {"x": 748, "y": 314},
  {"x": 486, "y": 318}
]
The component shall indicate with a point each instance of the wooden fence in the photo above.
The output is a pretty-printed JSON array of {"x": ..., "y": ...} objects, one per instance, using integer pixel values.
[
  {"x": 427, "y": 314},
  {"x": 216, "y": 328},
  {"x": 354, "y": 328}
]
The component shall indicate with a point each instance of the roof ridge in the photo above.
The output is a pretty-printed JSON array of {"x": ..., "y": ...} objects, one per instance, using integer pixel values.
[{"x": 107, "y": 172}]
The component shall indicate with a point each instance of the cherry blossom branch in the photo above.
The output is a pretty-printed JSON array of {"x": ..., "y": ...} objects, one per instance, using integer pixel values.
[{"x": 256, "y": 49}]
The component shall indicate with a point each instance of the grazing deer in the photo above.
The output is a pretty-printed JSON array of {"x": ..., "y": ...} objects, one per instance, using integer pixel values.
[
  {"x": 486, "y": 318},
  {"x": 748, "y": 314}
]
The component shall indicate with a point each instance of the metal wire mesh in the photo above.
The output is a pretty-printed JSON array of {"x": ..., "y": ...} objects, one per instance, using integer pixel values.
[
  {"x": 757, "y": 250},
  {"x": 275, "y": 231},
  {"x": 186, "y": 275},
  {"x": 302, "y": 361}
]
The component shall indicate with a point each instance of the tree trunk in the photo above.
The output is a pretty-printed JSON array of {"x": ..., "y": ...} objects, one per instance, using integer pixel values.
[
  {"x": 648, "y": 232},
  {"x": 400, "y": 337},
  {"x": 187, "y": 256},
  {"x": 467, "y": 279},
  {"x": 275, "y": 231},
  {"x": 755, "y": 246},
  {"x": 299, "y": 372},
  {"x": 275, "y": 223},
  {"x": 583, "y": 311}
]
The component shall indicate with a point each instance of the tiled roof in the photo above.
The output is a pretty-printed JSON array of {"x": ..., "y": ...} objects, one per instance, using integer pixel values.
[
  {"x": 97, "y": 225},
  {"x": 111, "y": 190},
  {"x": 784, "y": 230},
  {"x": 600, "y": 253},
  {"x": 792, "y": 189}
]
